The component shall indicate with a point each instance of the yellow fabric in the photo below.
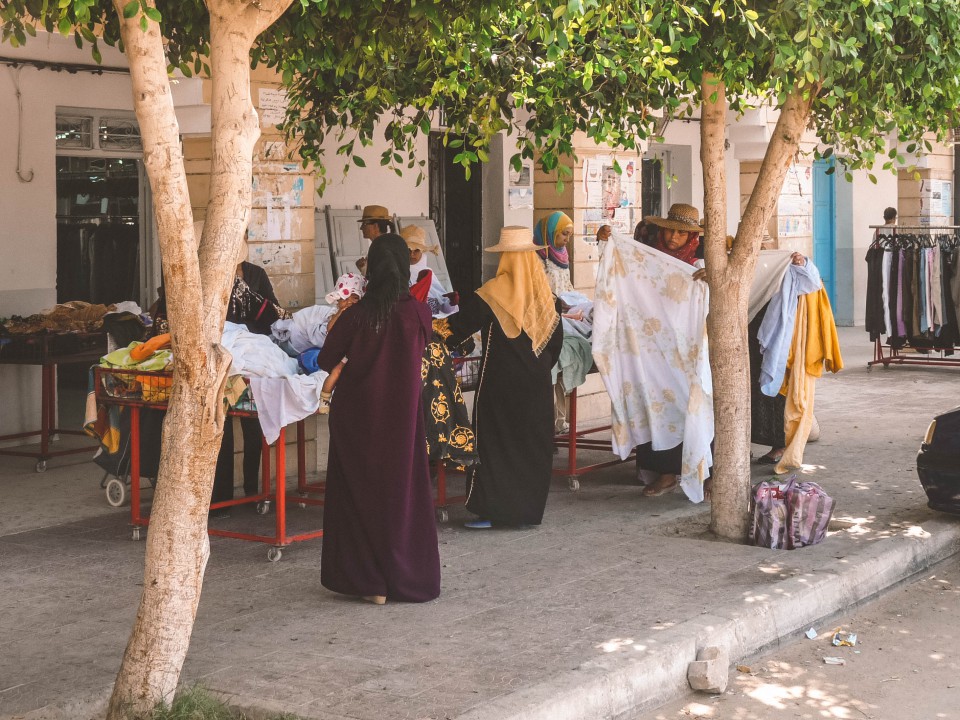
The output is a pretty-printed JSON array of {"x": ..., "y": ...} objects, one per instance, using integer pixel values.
[
  {"x": 521, "y": 299},
  {"x": 800, "y": 390},
  {"x": 822, "y": 347}
]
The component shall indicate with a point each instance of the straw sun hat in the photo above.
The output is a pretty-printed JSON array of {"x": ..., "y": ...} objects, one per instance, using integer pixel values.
[
  {"x": 681, "y": 216},
  {"x": 375, "y": 212},
  {"x": 416, "y": 239},
  {"x": 515, "y": 238}
]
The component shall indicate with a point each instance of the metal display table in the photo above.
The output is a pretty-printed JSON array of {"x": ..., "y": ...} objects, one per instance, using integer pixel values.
[{"x": 49, "y": 350}]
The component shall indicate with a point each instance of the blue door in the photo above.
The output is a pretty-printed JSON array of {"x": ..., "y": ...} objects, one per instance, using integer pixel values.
[{"x": 825, "y": 224}]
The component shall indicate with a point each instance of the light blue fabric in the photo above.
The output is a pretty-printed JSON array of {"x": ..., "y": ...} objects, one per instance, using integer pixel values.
[{"x": 776, "y": 330}]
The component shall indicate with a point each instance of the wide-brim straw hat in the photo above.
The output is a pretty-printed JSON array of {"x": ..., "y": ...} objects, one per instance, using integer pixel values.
[
  {"x": 416, "y": 238},
  {"x": 681, "y": 216},
  {"x": 375, "y": 212},
  {"x": 515, "y": 238}
]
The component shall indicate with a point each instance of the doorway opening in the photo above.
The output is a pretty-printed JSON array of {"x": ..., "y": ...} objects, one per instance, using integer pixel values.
[
  {"x": 106, "y": 244},
  {"x": 457, "y": 211}
]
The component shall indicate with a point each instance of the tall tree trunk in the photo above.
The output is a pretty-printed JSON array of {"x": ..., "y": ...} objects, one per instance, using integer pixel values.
[
  {"x": 195, "y": 276},
  {"x": 730, "y": 277}
]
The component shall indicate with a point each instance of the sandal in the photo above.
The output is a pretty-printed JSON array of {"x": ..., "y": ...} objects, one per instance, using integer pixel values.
[
  {"x": 767, "y": 460},
  {"x": 656, "y": 490}
]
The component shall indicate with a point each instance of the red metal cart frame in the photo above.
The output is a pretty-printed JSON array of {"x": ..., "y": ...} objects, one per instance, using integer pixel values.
[
  {"x": 270, "y": 491},
  {"x": 575, "y": 439}
]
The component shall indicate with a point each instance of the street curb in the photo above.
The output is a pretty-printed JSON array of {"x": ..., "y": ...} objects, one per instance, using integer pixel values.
[{"x": 635, "y": 678}]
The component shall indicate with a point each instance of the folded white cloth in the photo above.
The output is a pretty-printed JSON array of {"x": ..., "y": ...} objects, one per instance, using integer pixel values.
[
  {"x": 306, "y": 329},
  {"x": 255, "y": 355}
]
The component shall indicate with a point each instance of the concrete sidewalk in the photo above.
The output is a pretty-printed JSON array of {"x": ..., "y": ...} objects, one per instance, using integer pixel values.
[{"x": 593, "y": 615}]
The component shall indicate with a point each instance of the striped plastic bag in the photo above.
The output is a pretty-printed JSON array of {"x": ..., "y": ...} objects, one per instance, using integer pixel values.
[
  {"x": 809, "y": 510},
  {"x": 789, "y": 514}
]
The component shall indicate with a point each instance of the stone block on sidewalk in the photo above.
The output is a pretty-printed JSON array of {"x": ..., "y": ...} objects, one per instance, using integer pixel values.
[{"x": 709, "y": 672}]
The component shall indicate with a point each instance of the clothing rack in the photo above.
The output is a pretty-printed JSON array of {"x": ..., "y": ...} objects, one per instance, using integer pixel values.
[{"x": 904, "y": 237}]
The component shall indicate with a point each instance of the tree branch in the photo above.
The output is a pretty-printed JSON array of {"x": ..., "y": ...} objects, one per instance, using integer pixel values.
[
  {"x": 713, "y": 120},
  {"x": 780, "y": 153}
]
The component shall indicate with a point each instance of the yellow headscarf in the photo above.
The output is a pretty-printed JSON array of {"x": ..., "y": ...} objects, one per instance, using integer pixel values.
[{"x": 521, "y": 299}]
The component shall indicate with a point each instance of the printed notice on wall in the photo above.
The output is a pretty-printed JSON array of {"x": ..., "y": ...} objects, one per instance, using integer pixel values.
[
  {"x": 795, "y": 204},
  {"x": 938, "y": 197},
  {"x": 273, "y": 106}
]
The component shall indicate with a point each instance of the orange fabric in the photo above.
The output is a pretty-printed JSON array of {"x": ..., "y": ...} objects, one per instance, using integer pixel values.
[{"x": 145, "y": 350}]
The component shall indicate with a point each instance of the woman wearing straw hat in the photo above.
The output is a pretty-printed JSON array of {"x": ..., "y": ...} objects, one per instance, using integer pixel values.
[
  {"x": 519, "y": 320},
  {"x": 677, "y": 235},
  {"x": 441, "y": 302}
]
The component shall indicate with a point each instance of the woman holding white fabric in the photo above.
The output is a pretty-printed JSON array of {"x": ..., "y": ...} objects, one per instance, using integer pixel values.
[{"x": 678, "y": 235}]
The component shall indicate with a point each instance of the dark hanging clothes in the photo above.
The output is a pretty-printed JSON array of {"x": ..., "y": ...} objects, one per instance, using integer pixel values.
[
  {"x": 913, "y": 285},
  {"x": 380, "y": 534},
  {"x": 513, "y": 419},
  {"x": 895, "y": 339},
  {"x": 874, "y": 319},
  {"x": 766, "y": 413}
]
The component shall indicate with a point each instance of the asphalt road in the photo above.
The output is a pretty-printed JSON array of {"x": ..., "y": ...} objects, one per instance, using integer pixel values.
[{"x": 905, "y": 665}]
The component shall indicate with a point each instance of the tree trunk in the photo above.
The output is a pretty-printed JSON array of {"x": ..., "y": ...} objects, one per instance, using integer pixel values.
[
  {"x": 730, "y": 277},
  {"x": 195, "y": 277}
]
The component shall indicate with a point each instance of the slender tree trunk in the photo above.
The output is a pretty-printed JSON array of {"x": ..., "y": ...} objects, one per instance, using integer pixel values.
[
  {"x": 730, "y": 277},
  {"x": 195, "y": 277}
]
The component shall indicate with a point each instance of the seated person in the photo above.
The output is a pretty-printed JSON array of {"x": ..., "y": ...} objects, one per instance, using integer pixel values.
[{"x": 441, "y": 302}]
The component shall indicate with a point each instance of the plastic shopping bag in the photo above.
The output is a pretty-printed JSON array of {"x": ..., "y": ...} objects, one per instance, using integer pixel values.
[{"x": 790, "y": 514}]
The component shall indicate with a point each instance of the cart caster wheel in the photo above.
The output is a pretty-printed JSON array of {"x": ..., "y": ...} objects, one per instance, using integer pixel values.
[
  {"x": 442, "y": 515},
  {"x": 573, "y": 483},
  {"x": 135, "y": 534},
  {"x": 41, "y": 466},
  {"x": 263, "y": 507},
  {"x": 116, "y": 491},
  {"x": 274, "y": 554}
]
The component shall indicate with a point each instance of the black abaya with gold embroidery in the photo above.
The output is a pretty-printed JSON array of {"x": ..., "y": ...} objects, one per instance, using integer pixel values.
[
  {"x": 513, "y": 419},
  {"x": 445, "y": 418}
]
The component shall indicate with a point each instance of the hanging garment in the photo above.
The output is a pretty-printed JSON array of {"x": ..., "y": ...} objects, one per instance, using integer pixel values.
[
  {"x": 873, "y": 317},
  {"x": 284, "y": 400},
  {"x": 894, "y": 289},
  {"x": 815, "y": 347},
  {"x": 887, "y": 260},
  {"x": 649, "y": 343},
  {"x": 776, "y": 330},
  {"x": 767, "y": 278}
]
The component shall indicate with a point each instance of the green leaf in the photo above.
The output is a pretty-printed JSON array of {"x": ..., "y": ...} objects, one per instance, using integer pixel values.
[
  {"x": 358, "y": 161},
  {"x": 131, "y": 9},
  {"x": 64, "y": 26},
  {"x": 153, "y": 14},
  {"x": 559, "y": 12},
  {"x": 143, "y": 23}
]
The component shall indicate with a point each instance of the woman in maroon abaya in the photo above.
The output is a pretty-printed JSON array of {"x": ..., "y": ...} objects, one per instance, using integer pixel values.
[{"x": 379, "y": 531}]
